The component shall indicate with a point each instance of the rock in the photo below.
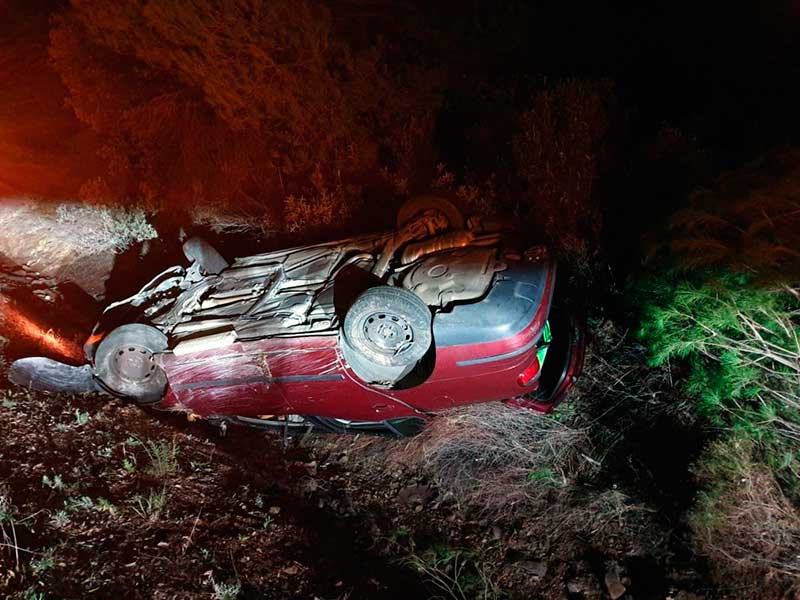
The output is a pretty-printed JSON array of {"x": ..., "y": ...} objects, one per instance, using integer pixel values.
[
  {"x": 682, "y": 595},
  {"x": 274, "y": 510},
  {"x": 616, "y": 589},
  {"x": 415, "y": 495},
  {"x": 581, "y": 585},
  {"x": 534, "y": 568}
]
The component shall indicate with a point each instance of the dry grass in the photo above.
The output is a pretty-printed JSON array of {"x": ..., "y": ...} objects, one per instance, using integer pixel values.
[
  {"x": 500, "y": 459},
  {"x": 743, "y": 522}
]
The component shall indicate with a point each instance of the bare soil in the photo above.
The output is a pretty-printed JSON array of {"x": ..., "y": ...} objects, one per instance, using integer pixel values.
[{"x": 317, "y": 516}]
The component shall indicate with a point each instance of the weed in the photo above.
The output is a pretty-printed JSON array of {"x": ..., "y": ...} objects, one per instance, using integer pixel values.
[
  {"x": 542, "y": 475},
  {"x": 743, "y": 521},
  {"x": 106, "y": 505},
  {"x": 56, "y": 483},
  {"x": 79, "y": 503},
  {"x": 455, "y": 572},
  {"x": 149, "y": 506},
  {"x": 267, "y": 522},
  {"x": 43, "y": 563},
  {"x": 81, "y": 417},
  {"x": 7, "y": 510},
  {"x": 8, "y": 403},
  {"x": 226, "y": 591},
  {"x": 105, "y": 452},
  {"x": 163, "y": 458},
  {"x": 129, "y": 464},
  {"x": 31, "y": 594},
  {"x": 401, "y": 533},
  {"x": 500, "y": 459},
  {"x": 59, "y": 519}
]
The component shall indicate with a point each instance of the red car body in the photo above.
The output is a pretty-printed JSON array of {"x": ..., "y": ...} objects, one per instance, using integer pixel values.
[
  {"x": 266, "y": 339},
  {"x": 309, "y": 376}
]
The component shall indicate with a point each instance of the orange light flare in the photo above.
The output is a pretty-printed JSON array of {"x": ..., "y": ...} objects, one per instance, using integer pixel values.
[{"x": 19, "y": 323}]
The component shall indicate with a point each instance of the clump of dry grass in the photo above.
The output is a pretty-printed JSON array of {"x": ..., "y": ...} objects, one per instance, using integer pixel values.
[
  {"x": 501, "y": 459},
  {"x": 743, "y": 522}
]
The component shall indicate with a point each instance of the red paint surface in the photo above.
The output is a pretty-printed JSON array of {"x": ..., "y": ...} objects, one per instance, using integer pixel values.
[{"x": 250, "y": 378}]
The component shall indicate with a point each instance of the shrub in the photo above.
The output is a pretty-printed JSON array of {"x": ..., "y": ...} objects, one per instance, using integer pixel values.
[
  {"x": 236, "y": 105},
  {"x": 109, "y": 229},
  {"x": 743, "y": 522},
  {"x": 725, "y": 305},
  {"x": 749, "y": 220},
  {"x": 561, "y": 152},
  {"x": 501, "y": 459}
]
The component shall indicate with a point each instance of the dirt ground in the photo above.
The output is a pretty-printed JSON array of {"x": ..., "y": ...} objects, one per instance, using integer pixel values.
[{"x": 100, "y": 499}]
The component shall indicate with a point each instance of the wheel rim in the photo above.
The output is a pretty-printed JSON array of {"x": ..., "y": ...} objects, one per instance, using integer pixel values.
[
  {"x": 134, "y": 363},
  {"x": 126, "y": 362},
  {"x": 388, "y": 333}
]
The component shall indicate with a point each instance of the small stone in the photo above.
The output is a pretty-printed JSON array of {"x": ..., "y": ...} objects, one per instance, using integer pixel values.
[
  {"x": 274, "y": 510},
  {"x": 162, "y": 545},
  {"x": 534, "y": 568},
  {"x": 683, "y": 595},
  {"x": 615, "y": 589},
  {"x": 575, "y": 586}
]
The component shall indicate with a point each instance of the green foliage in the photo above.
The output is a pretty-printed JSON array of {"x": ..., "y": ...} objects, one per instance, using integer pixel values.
[
  {"x": 457, "y": 573},
  {"x": 726, "y": 302},
  {"x": 740, "y": 343},
  {"x": 150, "y": 506},
  {"x": 54, "y": 483},
  {"x": 226, "y": 591},
  {"x": 163, "y": 458},
  {"x": 81, "y": 417},
  {"x": 44, "y": 562}
]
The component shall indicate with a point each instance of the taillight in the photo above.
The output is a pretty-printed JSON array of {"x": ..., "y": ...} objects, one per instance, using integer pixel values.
[{"x": 530, "y": 374}]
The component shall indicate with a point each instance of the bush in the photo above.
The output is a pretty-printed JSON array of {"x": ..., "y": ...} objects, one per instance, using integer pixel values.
[
  {"x": 109, "y": 229},
  {"x": 749, "y": 220},
  {"x": 744, "y": 523},
  {"x": 742, "y": 346},
  {"x": 723, "y": 302},
  {"x": 500, "y": 459},
  {"x": 237, "y": 105},
  {"x": 561, "y": 152}
]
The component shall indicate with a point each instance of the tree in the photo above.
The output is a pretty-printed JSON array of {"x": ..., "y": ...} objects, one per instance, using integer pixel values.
[{"x": 240, "y": 102}]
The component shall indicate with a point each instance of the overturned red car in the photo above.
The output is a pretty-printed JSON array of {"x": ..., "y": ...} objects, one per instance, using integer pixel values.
[{"x": 378, "y": 332}]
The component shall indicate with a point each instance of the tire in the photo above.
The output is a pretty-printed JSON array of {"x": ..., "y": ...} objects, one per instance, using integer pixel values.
[
  {"x": 418, "y": 204},
  {"x": 125, "y": 363},
  {"x": 386, "y": 333}
]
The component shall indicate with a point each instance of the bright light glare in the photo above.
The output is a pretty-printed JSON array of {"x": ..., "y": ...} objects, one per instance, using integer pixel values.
[{"x": 18, "y": 323}]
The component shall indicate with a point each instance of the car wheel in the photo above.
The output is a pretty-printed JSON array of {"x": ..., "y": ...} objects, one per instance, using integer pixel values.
[
  {"x": 419, "y": 204},
  {"x": 386, "y": 333},
  {"x": 125, "y": 363}
]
